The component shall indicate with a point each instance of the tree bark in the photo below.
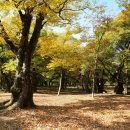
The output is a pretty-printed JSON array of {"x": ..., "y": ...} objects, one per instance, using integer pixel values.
[
  {"x": 62, "y": 77},
  {"x": 17, "y": 85},
  {"x": 26, "y": 96},
  {"x": 85, "y": 82},
  {"x": 21, "y": 90},
  {"x": 126, "y": 80},
  {"x": 119, "y": 79}
]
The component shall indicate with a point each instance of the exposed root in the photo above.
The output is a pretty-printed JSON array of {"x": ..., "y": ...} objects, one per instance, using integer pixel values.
[
  {"x": 14, "y": 106},
  {"x": 3, "y": 103},
  {"x": 6, "y": 105}
]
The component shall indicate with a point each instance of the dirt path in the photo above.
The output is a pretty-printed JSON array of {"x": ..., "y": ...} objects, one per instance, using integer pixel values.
[{"x": 69, "y": 112}]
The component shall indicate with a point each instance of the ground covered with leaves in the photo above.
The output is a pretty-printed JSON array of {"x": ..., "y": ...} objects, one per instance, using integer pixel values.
[{"x": 69, "y": 112}]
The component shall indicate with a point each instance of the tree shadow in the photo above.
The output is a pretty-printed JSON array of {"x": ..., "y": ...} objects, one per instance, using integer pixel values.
[
  {"x": 76, "y": 113},
  {"x": 104, "y": 112},
  {"x": 68, "y": 91},
  {"x": 10, "y": 123}
]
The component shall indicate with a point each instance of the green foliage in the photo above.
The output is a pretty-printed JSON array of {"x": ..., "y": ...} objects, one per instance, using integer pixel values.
[{"x": 9, "y": 66}]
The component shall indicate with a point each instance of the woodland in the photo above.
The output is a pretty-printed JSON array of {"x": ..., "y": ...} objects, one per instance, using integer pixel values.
[{"x": 56, "y": 73}]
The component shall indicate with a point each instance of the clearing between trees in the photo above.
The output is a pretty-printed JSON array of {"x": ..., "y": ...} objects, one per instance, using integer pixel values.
[{"x": 69, "y": 112}]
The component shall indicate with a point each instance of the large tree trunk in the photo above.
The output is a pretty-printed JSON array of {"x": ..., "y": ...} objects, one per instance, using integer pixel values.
[
  {"x": 17, "y": 85},
  {"x": 18, "y": 81},
  {"x": 119, "y": 88},
  {"x": 101, "y": 83},
  {"x": 26, "y": 96},
  {"x": 22, "y": 91},
  {"x": 119, "y": 79},
  {"x": 85, "y": 82}
]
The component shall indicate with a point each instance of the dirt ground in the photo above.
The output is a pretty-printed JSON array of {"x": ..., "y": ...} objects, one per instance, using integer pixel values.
[{"x": 69, "y": 112}]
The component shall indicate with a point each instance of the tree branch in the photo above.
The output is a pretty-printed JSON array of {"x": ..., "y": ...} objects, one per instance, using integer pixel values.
[
  {"x": 17, "y": 5},
  {"x": 58, "y": 10},
  {"x": 104, "y": 66},
  {"x": 7, "y": 39},
  {"x": 38, "y": 26}
]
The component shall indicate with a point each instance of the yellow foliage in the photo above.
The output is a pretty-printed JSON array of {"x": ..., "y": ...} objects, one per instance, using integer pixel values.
[
  {"x": 123, "y": 18},
  {"x": 63, "y": 51},
  {"x": 9, "y": 53}
]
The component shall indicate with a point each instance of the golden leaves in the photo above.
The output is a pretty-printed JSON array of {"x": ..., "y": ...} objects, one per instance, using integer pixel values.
[{"x": 64, "y": 52}]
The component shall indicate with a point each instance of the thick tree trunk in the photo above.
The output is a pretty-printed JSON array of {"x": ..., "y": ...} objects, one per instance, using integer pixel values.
[
  {"x": 18, "y": 81},
  {"x": 119, "y": 79},
  {"x": 33, "y": 77},
  {"x": 101, "y": 84},
  {"x": 22, "y": 91},
  {"x": 119, "y": 88},
  {"x": 26, "y": 96},
  {"x": 85, "y": 82},
  {"x": 17, "y": 85}
]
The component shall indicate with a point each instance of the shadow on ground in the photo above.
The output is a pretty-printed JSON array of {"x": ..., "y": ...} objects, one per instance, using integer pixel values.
[{"x": 104, "y": 112}]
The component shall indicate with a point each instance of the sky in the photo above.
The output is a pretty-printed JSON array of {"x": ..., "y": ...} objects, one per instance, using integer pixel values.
[
  {"x": 112, "y": 6},
  {"x": 112, "y": 9}
]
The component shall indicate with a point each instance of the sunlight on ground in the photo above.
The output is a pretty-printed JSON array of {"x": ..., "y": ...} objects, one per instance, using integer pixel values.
[
  {"x": 6, "y": 118},
  {"x": 70, "y": 112}
]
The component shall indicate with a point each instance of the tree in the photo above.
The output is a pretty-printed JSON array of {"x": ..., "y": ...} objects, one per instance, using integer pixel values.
[
  {"x": 120, "y": 43},
  {"x": 27, "y": 13},
  {"x": 64, "y": 52},
  {"x": 100, "y": 25}
]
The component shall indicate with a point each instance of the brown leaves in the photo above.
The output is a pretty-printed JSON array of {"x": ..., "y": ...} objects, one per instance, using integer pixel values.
[{"x": 70, "y": 112}]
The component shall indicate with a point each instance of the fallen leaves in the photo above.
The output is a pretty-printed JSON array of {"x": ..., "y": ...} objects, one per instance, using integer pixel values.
[{"x": 69, "y": 112}]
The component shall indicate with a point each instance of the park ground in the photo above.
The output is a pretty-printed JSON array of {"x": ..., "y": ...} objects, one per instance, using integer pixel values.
[{"x": 69, "y": 112}]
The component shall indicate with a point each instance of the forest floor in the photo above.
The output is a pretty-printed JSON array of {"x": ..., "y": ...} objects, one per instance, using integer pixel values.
[{"x": 69, "y": 112}]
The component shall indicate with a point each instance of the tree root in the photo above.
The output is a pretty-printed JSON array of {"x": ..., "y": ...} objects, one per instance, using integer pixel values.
[
  {"x": 16, "y": 105},
  {"x": 3, "y": 103},
  {"x": 7, "y": 104}
]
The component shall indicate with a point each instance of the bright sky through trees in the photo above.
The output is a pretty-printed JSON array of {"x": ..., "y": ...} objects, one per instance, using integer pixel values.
[{"x": 112, "y": 9}]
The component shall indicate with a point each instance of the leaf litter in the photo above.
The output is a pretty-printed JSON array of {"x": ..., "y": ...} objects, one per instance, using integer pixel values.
[{"x": 69, "y": 112}]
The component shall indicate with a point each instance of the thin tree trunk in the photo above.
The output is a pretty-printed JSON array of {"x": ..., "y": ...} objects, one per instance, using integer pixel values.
[
  {"x": 127, "y": 79},
  {"x": 61, "y": 85}
]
